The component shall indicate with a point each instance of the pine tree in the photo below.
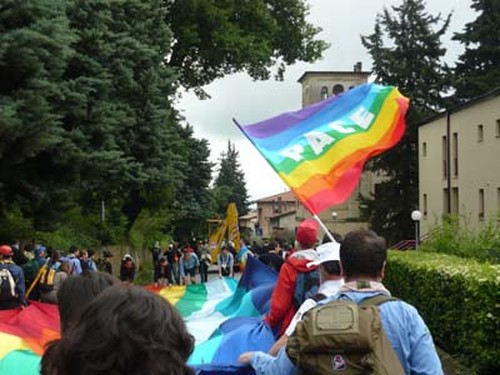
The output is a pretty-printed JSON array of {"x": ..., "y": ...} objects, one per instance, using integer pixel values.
[
  {"x": 406, "y": 51},
  {"x": 230, "y": 185},
  {"x": 478, "y": 69},
  {"x": 193, "y": 197},
  {"x": 119, "y": 113},
  {"x": 35, "y": 47}
]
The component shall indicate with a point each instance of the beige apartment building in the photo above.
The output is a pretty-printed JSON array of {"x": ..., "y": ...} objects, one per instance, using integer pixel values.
[
  {"x": 459, "y": 163},
  {"x": 281, "y": 213}
]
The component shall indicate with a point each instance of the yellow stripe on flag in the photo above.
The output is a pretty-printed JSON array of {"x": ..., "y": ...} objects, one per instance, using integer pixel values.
[
  {"x": 173, "y": 294},
  {"x": 9, "y": 343}
]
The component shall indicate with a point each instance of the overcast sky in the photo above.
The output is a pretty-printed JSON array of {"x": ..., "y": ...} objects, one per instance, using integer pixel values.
[{"x": 238, "y": 96}]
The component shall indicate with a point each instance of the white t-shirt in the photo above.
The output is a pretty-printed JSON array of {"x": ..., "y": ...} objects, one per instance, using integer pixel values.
[{"x": 328, "y": 288}]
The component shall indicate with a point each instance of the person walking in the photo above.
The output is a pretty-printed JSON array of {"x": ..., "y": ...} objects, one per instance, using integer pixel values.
[{"x": 12, "y": 286}]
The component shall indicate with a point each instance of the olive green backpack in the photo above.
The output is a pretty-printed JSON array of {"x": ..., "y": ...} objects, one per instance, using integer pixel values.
[{"x": 345, "y": 338}]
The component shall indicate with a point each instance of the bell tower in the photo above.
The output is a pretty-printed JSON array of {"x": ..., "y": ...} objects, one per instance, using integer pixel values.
[{"x": 318, "y": 86}]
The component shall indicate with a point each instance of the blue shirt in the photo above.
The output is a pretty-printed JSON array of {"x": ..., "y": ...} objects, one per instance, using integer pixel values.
[
  {"x": 92, "y": 265},
  {"x": 225, "y": 260},
  {"x": 187, "y": 264},
  {"x": 75, "y": 263},
  {"x": 404, "y": 327}
]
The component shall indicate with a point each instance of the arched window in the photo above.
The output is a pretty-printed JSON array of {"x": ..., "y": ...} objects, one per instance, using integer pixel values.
[
  {"x": 324, "y": 93},
  {"x": 338, "y": 89}
]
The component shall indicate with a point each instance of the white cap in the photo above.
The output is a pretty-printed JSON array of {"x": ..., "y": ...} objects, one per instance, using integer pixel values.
[{"x": 327, "y": 252}]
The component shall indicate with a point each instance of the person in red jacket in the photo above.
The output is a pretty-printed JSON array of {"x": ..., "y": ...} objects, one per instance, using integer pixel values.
[{"x": 282, "y": 301}]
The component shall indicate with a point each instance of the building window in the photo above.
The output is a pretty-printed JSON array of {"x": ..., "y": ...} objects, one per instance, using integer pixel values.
[
  {"x": 454, "y": 201},
  {"x": 497, "y": 128},
  {"x": 277, "y": 206},
  {"x": 445, "y": 201},
  {"x": 480, "y": 133},
  {"x": 481, "y": 204},
  {"x": 424, "y": 149},
  {"x": 337, "y": 89},
  {"x": 324, "y": 93},
  {"x": 498, "y": 203},
  {"x": 455, "y": 154},
  {"x": 424, "y": 199},
  {"x": 445, "y": 157}
]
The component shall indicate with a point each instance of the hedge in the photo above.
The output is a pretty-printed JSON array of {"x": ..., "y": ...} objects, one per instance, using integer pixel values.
[
  {"x": 458, "y": 298},
  {"x": 454, "y": 237}
]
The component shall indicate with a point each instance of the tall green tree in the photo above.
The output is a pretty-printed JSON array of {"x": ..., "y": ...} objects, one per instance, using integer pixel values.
[
  {"x": 216, "y": 38},
  {"x": 230, "y": 185},
  {"x": 407, "y": 52},
  {"x": 35, "y": 46},
  {"x": 478, "y": 68},
  {"x": 192, "y": 206},
  {"x": 119, "y": 113}
]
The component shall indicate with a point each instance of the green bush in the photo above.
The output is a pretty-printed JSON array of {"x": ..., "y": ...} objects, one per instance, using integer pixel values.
[
  {"x": 458, "y": 298},
  {"x": 453, "y": 237},
  {"x": 65, "y": 236},
  {"x": 145, "y": 273},
  {"x": 84, "y": 230},
  {"x": 147, "y": 228},
  {"x": 15, "y": 226}
]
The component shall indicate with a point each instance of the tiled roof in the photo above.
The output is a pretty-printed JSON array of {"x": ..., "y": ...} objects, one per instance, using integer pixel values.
[{"x": 287, "y": 196}]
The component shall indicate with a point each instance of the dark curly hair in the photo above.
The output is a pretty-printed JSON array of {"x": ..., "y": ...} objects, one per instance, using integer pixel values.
[
  {"x": 77, "y": 291},
  {"x": 125, "y": 330}
]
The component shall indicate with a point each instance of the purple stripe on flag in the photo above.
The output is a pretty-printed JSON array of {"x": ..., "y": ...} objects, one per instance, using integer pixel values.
[
  {"x": 285, "y": 121},
  {"x": 272, "y": 126}
]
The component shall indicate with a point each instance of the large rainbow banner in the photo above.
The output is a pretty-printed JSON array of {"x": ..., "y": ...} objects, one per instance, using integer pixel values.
[
  {"x": 224, "y": 315},
  {"x": 319, "y": 151}
]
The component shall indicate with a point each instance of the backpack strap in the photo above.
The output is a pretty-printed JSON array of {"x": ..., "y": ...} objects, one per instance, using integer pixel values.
[{"x": 377, "y": 300}]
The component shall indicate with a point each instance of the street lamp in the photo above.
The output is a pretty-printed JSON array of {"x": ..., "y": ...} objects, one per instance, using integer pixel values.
[{"x": 416, "y": 216}]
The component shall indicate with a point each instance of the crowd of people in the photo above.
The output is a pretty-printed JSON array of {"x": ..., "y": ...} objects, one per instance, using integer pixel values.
[
  {"x": 37, "y": 272},
  {"x": 316, "y": 285}
]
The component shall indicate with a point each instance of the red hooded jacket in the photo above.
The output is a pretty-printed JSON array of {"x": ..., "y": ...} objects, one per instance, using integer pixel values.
[{"x": 282, "y": 308}]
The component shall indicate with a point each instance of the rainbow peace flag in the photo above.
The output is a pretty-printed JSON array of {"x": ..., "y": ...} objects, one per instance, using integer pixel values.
[
  {"x": 224, "y": 315},
  {"x": 319, "y": 151}
]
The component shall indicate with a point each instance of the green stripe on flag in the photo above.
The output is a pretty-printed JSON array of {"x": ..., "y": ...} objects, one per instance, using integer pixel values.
[
  {"x": 193, "y": 300},
  {"x": 20, "y": 362}
]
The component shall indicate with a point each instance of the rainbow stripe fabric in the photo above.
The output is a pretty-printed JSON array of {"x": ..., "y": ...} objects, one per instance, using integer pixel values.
[
  {"x": 319, "y": 151},
  {"x": 224, "y": 315}
]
